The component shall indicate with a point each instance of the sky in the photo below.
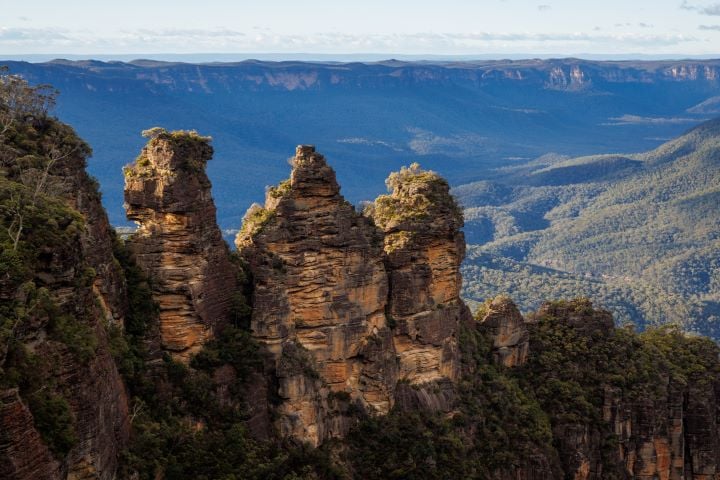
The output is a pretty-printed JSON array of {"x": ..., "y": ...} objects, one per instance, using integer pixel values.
[{"x": 412, "y": 27}]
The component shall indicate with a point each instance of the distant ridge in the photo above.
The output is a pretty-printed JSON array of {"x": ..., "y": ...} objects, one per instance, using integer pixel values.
[{"x": 347, "y": 57}]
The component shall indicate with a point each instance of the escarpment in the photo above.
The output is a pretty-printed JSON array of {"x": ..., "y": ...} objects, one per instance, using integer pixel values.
[
  {"x": 325, "y": 289},
  {"x": 63, "y": 405},
  {"x": 178, "y": 243},
  {"x": 624, "y": 405}
]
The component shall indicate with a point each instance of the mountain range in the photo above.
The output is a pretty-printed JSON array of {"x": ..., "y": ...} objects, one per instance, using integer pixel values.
[{"x": 461, "y": 118}]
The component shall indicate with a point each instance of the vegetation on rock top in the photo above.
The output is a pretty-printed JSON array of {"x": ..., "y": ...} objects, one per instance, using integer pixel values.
[{"x": 415, "y": 195}]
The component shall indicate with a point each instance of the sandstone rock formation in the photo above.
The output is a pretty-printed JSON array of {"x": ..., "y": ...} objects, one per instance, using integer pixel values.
[
  {"x": 339, "y": 324},
  {"x": 671, "y": 432},
  {"x": 23, "y": 454},
  {"x": 507, "y": 329},
  {"x": 424, "y": 248},
  {"x": 178, "y": 243},
  {"x": 320, "y": 292}
]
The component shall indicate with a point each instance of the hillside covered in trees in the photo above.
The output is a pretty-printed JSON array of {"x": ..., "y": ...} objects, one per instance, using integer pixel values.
[{"x": 638, "y": 233}]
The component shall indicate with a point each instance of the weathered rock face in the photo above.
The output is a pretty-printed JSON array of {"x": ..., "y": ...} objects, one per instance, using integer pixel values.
[
  {"x": 92, "y": 387},
  {"x": 358, "y": 305},
  {"x": 178, "y": 243},
  {"x": 508, "y": 331},
  {"x": 84, "y": 289},
  {"x": 23, "y": 454},
  {"x": 97, "y": 242},
  {"x": 670, "y": 433},
  {"x": 424, "y": 247},
  {"x": 320, "y": 293}
]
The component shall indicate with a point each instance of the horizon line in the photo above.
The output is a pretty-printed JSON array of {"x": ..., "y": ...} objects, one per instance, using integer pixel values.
[{"x": 368, "y": 56}]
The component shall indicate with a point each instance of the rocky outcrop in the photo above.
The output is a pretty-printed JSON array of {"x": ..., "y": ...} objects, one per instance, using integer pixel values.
[
  {"x": 178, "y": 243},
  {"x": 343, "y": 318},
  {"x": 507, "y": 329},
  {"x": 320, "y": 293},
  {"x": 670, "y": 430},
  {"x": 424, "y": 248}
]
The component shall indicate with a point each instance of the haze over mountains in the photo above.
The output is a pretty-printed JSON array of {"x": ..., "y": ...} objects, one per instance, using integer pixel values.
[{"x": 462, "y": 119}]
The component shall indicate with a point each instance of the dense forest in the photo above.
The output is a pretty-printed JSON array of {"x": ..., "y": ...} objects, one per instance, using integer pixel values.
[{"x": 639, "y": 234}]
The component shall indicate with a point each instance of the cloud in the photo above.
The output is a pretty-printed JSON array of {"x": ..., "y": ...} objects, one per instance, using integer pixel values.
[
  {"x": 712, "y": 9},
  {"x": 226, "y": 40},
  {"x": 645, "y": 25},
  {"x": 544, "y": 8},
  {"x": 628, "y": 119},
  {"x": 23, "y": 18},
  {"x": 709, "y": 27}
]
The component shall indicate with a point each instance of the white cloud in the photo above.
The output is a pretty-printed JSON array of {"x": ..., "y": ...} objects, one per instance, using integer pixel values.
[
  {"x": 628, "y": 119},
  {"x": 229, "y": 40}
]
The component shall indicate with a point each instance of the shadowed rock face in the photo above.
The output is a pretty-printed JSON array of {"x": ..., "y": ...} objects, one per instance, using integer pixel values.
[
  {"x": 508, "y": 331},
  {"x": 23, "y": 454},
  {"x": 178, "y": 243},
  {"x": 326, "y": 293},
  {"x": 92, "y": 389}
]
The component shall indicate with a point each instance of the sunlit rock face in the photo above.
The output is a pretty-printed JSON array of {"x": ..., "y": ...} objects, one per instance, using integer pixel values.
[
  {"x": 325, "y": 303},
  {"x": 424, "y": 248},
  {"x": 178, "y": 243}
]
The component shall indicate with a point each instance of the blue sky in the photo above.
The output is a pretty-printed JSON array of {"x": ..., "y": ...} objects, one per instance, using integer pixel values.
[{"x": 461, "y": 27}]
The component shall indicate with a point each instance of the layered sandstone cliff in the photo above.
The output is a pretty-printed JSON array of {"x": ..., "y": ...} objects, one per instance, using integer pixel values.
[
  {"x": 423, "y": 247},
  {"x": 328, "y": 295},
  {"x": 320, "y": 294},
  {"x": 23, "y": 454},
  {"x": 663, "y": 427},
  {"x": 58, "y": 363},
  {"x": 178, "y": 243}
]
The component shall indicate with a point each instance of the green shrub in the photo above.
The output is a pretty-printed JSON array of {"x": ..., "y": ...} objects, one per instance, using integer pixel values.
[{"x": 54, "y": 421}]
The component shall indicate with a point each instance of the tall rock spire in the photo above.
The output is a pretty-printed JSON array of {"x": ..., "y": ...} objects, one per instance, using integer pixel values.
[
  {"x": 178, "y": 243},
  {"x": 324, "y": 302}
]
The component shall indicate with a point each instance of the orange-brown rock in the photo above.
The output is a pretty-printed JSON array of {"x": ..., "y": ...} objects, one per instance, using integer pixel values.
[
  {"x": 507, "y": 329},
  {"x": 320, "y": 293},
  {"x": 424, "y": 248},
  {"x": 342, "y": 318},
  {"x": 178, "y": 243},
  {"x": 23, "y": 454}
]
